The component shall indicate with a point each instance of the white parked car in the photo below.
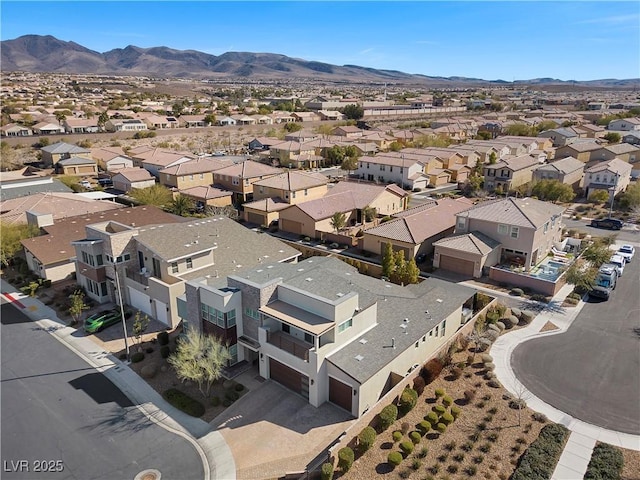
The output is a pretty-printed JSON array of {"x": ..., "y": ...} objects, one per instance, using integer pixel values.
[
  {"x": 626, "y": 251},
  {"x": 618, "y": 261}
]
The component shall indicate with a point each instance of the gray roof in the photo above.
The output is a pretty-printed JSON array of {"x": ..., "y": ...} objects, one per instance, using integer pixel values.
[
  {"x": 16, "y": 192},
  {"x": 523, "y": 212},
  {"x": 76, "y": 161},
  {"x": 472, "y": 242},
  {"x": 62, "y": 147},
  {"x": 235, "y": 246},
  {"x": 332, "y": 279},
  {"x": 564, "y": 165}
]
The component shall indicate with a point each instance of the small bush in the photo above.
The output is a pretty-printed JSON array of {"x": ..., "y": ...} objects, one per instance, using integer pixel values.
[
  {"x": 455, "y": 411},
  {"x": 447, "y": 401},
  {"x": 149, "y": 350},
  {"x": 366, "y": 438},
  {"x": 232, "y": 395},
  {"x": 517, "y": 292},
  {"x": 539, "y": 417},
  {"x": 453, "y": 468},
  {"x": 439, "y": 392},
  {"x": 469, "y": 395},
  {"x": 184, "y": 402},
  {"x": 388, "y": 416},
  {"x": 606, "y": 463},
  {"x": 404, "y": 428},
  {"x": 432, "y": 418},
  {"x": 326, "y": 471},
  {"x": 431, "y": 370},
  {"x": 493, "y": 383},
  {"x": 456, "y": 372},
  {"x": 451, "y": 446},
  {"x": 423, "y": 452},
  {"x": 165, "y": 351},
  {"x": 408, "y": 400},
  {"x": 215, "y": 401},
  {"x": 163, "y": 338},
  {"x": 517, "y": 404},
  {"x": 459, "y": 457},
  {"x": 467, "y": 446},
  {"x": 492, "y": 437},
  {"x": 239, "y": 387},
  {"x": 415, "y": 437},
  {"x": 447, "y": 419},
  {"x": 418, "y": 385},
  {"x": 137, "y": 357},
  {"x": 345, "y": 458},
  {"x": 394, "y": 458},
  {"x": 397, "y": 436},
  {"x": 484, "y": 448},
  {"x": 441, "y": 427},
  {"x": 424, "y": 427},
  {"x": 439, "y": 409},
  {"x": 406, "y": 447},
  {"x": 471, "y": 470}
]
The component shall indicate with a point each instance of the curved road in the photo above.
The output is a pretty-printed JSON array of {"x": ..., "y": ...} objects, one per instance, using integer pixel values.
[
  {"x": 592, "y": 371},
  {"x": 56, "y": 407}
]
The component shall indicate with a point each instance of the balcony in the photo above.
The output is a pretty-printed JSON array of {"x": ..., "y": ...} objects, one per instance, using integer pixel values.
[
  {"x": 289, "y": 344},
  {"x": 138, "y": 277}
]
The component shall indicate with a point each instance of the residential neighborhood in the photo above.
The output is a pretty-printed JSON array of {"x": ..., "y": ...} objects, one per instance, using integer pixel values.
[{"x": 231, "y": 278}]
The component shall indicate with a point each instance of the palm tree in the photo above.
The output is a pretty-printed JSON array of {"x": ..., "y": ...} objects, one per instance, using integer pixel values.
[
  {"x": 338, "y": 221},
  {"x": 181, "y": 205}
]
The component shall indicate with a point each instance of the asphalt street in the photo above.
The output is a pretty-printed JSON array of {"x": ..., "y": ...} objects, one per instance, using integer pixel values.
[
  {"x": 62, "y": 419},
  {"x": 592, "y": 371},
  {"x": 624, "y": 235}
]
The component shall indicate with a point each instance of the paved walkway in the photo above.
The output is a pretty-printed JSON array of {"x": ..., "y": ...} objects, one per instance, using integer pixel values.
[
  {"x": 216, "y": 456},
  {"x": 577, "y": 453}
]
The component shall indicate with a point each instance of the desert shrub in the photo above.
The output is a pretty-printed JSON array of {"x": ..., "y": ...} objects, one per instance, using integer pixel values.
[
  {"x": 163, "y": 338},
  {"x": 517, "y": 404},
  {"x": 540, "y": 459},
  {"x": 439, "y": 392},
  {"x": 441, "y": 427},
  {"x": 394, "y": 458},
  {"x": 606, "y": 463},
  {"x": 470, "y": 359},
  {"x": 485, "y": 447},
  {"x": 455, "y": 411},
  {"x": 418, "y": 385},
  {"x": 184, "y": 402},
  {"x": 326, "y": 471},
  {"x": 406, "y": 447},
  {"x": 137, "y": 357},
  {"x": 366, "y": 438},
  {"x": 517, "y": 292},
  {"x": 432, "y": 418},
  {"x": 431, "y": 370},
  {"x": 447, "y": 401},
  {"x": 439, "y": 410},
  {"x": 423, "y": 452},
  {"x": 447, "y": 419},
  {"x": 456, "y": 372},
  {"x": 469, "y": 395},
  {"x": 415, "y": 437},
  {"x": 492, "y": 437},
  {"x": 408, "y": 400},
  {"x": 239, "y": 387},
  {"x": 215, "y": 401},
  {"x": 345, "y": 458},
  {"x": 451, "y": 446},
  {"x": 459, "y": 457},
  {"x": 453, "y": 468},
  {"x": 471, "y": 470},
  {"x": 493, "y": 410},
  {"x": 538, "y": 297},
  {"x": 491, "y": 335},
  {"x": 424, "y": 427},
  {"x": 165, "y": 351},
  {"x": 486, "y": 358},
  {"x": 501, "y": 325},
  {"x": 539, "y": 417},
  {"x": 397, "y": 436},
  {"x": 404, "y": 428},
  {"x": 572, "y": 301},
  {"x": 493, "y": 383},
  {"x": 387, "y": 416}
]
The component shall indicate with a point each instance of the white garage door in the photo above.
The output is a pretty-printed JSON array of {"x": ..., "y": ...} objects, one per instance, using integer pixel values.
[
  {"x": 140, "y": 301},
  {"x": 161, "y": 312}
]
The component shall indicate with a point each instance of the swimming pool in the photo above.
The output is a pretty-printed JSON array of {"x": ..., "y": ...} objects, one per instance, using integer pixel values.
[{"x": 548, "y": 269}]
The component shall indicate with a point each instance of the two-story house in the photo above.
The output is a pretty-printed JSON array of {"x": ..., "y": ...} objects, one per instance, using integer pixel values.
[
  {"x": 566, "y": 170},
  {"x": 153, "y": 262},
  {"x": 325, "y": 331},
  {"x": 193, "y": 173},
  {"x": 52, "y": 154},
  {"x": 405, "y": 170},
  {"x": 625, "y": 124},
  {"x": 155, "y": 159},
  {"x": 510, "y": 173},
  {"x": 612, "y": 176},
  {"x": 240, "y": 177}
]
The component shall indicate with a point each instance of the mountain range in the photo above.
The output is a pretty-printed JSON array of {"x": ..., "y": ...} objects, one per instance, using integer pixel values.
[{"x": 38, "y": 53}]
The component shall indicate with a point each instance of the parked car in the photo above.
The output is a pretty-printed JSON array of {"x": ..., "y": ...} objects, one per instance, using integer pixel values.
[
  {"x": 101, "y": 320},
  {"x": 105, "y": 182},
  {"x": 605, "y": 282},
  {"x": 626, "y": 251},
  {"x": 86, "y": 184},
  {"x": 609, "y": 223},
  {"x": 619, "y": 262},
  {"x": 421, "y": 258}
]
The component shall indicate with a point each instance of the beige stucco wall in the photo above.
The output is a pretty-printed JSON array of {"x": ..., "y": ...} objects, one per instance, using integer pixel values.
[
  {"x": 523, "y": 243},
  {"x": 294, "y": 197}
]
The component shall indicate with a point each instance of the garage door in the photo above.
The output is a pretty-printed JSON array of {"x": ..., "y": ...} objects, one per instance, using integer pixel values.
[
  {"x": 457, "y": 265},
  {"x": 290, "y": 378},
  {"x": 290, "y": 226},
  {"x": 340, "y": 394},
  {"x": 139, "y": 301},
  {"x": 161, "y": 312},
  {"x": 256, "y": 218}
]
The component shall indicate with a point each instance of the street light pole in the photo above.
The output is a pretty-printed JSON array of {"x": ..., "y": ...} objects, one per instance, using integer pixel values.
[
  {"x": 613, "y": 194},
  {"x": 124, "y": 323}
]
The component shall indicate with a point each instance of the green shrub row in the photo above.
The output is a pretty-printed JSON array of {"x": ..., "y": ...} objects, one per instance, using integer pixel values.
[
  {"x": 345, "y": 458},
  {"x": 388, "y": 415},
  {"x": 183, "y": 402},
  {"x": 366, "y": 438},
  {"x": 606, "y": 463},
  {"x": 539, "y": 460}
]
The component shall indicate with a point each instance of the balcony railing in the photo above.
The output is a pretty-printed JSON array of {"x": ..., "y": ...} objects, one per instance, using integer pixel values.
[
  {"x": 142, "y": 279},
  {"x": 289, "y": 344}
]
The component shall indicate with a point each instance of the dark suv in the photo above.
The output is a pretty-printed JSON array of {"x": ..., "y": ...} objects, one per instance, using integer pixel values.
[{"x": 609, "y": 223}]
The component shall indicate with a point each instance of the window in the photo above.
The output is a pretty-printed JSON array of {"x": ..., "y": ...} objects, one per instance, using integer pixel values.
[
  {"x": 190, "y": 177},
  {"x": 231, "y": 318},
  {"x": 233, "y": 354},
  {"x": 252, "y": 313},
  {"x": 417, "y": 345},
  {"x": 503, "y": 229},
  {"x": 99, "y": 260},
  {"x": 236, "y": 181},
  {"x": 367, "y": 165},
  {"x": 308, "y": 338},
  {"x": 189, "y": 263},
  {"x": 462, "y": 223},
  {"x": 391, "y": 168},
  {"x": 286, "y": 328},
  {"x": 103, "y": 289},
  {"x": 443, "y": 328},
  {"x": 546, "y": 228},
  {"x": 515, "y": 231},
  {"x": 293, "y": 194},
  {"x": 382, "y": 168},
  {"x": 344, "y": 325},
  {"x": 127, "y": 257},
  {"x": 306, "y": 192},
  {"x": 174, "y": 267},
  {"x": 202, "y": 176},
  {"x": 437, "y": 330}
]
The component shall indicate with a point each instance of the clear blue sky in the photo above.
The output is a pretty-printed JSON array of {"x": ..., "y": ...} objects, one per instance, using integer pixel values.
[{"x": 489, "y": 40}]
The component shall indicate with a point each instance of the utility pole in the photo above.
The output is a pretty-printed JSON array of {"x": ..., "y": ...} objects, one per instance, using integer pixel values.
[
  {"x": 124, "y": 323},
  {"x": 613, "y": 194}
]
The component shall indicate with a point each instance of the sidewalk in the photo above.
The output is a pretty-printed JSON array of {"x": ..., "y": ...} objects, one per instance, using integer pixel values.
[
  {"x": 216, "y": 456},
  {"x": 577, "y": 452}
]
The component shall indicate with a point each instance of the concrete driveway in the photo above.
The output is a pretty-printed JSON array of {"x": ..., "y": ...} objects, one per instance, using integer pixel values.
[
  {"x": 592, "y": 371},
  {"x": 272, "y": 431}
]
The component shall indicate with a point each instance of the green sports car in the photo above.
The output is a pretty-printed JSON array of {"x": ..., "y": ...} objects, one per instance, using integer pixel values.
[{"x": 101, "y": 320}]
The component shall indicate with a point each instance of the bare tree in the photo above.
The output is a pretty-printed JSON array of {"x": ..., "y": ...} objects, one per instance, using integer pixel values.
[
  {"x": 77, "y": 306},
  {"x": 140, "y": 324}
]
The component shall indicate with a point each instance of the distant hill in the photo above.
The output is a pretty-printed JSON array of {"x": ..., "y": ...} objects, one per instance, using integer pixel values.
[{"x": 36, "y": 53}]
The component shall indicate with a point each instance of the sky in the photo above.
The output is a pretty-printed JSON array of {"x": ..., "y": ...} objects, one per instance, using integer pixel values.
[{"x": 480, "y": 39}]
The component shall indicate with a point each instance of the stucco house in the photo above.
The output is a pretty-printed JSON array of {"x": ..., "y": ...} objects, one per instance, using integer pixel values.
[
  {"x": 208, "y": 196},
  {"x": 510, "y": 173},
  {"x": 52, "y": 154},
  {"x": 406, "y": 170},
  {"x": 111, "y": 158},
  {"x": 15, "y": 130},
  {"x": 612, "y": 176},
  {"x": 77, "y": 166},
  {"x": 625, "y": 124},
  {"x": 192, "y": 173},
  {"x": 155, "y": 159},
  {"x": 567, "y": 170},
  {"x": 125, "y": 125},
  {"x": 325, "y": 331},
  {"x": 560, "y": 136},
  {"x": 582, "y": 150},
  {"x": 129, "y": 178},
  {"x": 240, "y": 177}
]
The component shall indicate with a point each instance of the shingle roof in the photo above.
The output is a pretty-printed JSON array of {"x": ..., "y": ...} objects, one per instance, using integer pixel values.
[
  {"x": 614, "y": 165},
  {"x": 564, "y": 165},
  {"x": 621, "y": 148},
  {"x": 516, "y": 163},
  {"x": 76, "y": 161},
  {"x": 472, "y": 242},
  {"x": 293, "y": 180},
  {"x": 62, "y": 147},
  {"x": 524, "y": 212}
]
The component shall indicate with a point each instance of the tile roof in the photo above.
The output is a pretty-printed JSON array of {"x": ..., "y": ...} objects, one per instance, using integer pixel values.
[
  {"x": 206, "y": 192},
  {"x": 516, "y": 163},
  {"x": 62, "y": 147},
  {"x": 267, "y": 205},
  {"x": 293, "y": 180},
  {"x": 564, "y": 165},
  {"x": 197, "y": 165},
  {"x": 472, "y": 242},
  {"x": 106, "y": 154},
  {"x": 249, "y": 169},
  {"x": 55, "y": 246},
  {"x": 134, "y": 174},
  {"x": 586, "y": 146},
  {"x": 525, "y": 212},
  {"x": 614, "y": 165},
  {"x": 621, "y": 148},
  {"x": 76, "y": 161}
]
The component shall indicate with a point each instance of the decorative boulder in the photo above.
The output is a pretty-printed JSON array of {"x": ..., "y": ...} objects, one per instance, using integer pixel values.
[{"x": 148, "y": 371}]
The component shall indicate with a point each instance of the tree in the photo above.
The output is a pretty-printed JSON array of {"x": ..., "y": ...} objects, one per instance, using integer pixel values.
[
  {"x": 199, "y": 358},
  {"x": 369, "y": 213},
  {"x": 399, "y": 267},
  {"x": 546, "y": 125},
  {"x": 181, "y": 205},
  {"x": 612, "y": 137},
  {"x": 335, "y": 155},
  {"x": 10, "y": 237},
  {"x": 581, "y": 275},
  {"x": 388, "y": 262},
  {"x": 292, "y": 127},
  {"x": 412, "y": 272},
  {"x": 599, "y": 196},
  {"x": 210, "y": 119},
  {"x": 177, "y": 108},
  {"x": 103, "y": 118},
  {"x": 338, "y": 220},
  {"x": 140, "y": 324},
  {"x": 395, "y": 146},
  {"x": 493, "y": 158},
  {"x": 353, "y": 112},
  {"x": 77, "y": 306},
  {"x": 520, "y": 130},
  {"x": 157, "y": 195},
  {"x": 553, "y": 190},
  {"x": 631, "y": 198},
  {"x": 596, "y": 254}
]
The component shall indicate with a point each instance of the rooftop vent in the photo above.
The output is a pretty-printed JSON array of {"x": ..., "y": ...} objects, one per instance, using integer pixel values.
[
  {"x": 340, "y": 294},
  {"x": 363, "y": 341},
  {"x": 308, "y": 279},
  {"x": 359, "y": 358},
  {"x": 439, "y": 300}
]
